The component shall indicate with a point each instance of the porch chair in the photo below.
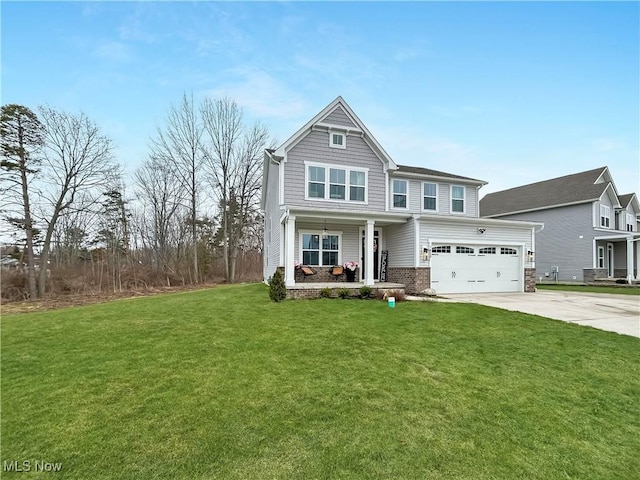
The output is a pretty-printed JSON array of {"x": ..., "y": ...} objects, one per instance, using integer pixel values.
[
  {"x": 307, "y": 271},
  {"x": 337, "y": 271}
]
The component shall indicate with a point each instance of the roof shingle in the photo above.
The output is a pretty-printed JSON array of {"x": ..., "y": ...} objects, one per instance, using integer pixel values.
[{"x": 570, "y": 189}]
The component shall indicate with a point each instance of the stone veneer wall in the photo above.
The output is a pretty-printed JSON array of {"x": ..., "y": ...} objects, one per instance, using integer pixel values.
[
  {"x": 590, "y": 274},
  {"x": 415, "y": 279},
  {"x": 529, "y": 279}
]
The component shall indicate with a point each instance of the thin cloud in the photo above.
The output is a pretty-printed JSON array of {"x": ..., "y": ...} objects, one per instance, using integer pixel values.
[{"x": 114, "y": 51}]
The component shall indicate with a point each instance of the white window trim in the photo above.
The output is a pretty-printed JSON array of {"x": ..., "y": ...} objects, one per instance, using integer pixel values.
[
  {"x": 327, "y": 182},
  {"x": 629, "y": 221},
  {"x": 393, "y": 193},
  {"x": 336, "y": 145},
  {"x": 605, "y": 212},
  {"x": 425, "y": 196},
  {"x": 319, "y": 233},
  {"x": 600, "y": 257},
  {"x": 464, "y": 200}
]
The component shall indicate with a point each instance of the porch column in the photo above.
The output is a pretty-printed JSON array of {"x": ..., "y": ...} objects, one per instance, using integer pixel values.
[
  {"x": 368, "y": 241},
  {"x": 637, "y": 243},
  {"x": 630, "y": 267},
  {"x": 289, "y": 247}
]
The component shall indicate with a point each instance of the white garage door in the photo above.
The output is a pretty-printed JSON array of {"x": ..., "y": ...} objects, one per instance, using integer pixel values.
[{"x": 471, "y": 269}]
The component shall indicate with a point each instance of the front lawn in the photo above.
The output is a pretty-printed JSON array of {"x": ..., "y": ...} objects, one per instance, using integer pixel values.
[
  {"x": 621, "y": 290},
  {"x": 224, "y": 384}
]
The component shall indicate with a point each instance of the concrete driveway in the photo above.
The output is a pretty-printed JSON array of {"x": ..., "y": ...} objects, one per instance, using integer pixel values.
[{"x": 614, "y": 313}]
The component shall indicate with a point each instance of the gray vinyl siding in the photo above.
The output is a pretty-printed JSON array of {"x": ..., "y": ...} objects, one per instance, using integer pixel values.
[
  {"x": 559, "y": 243},
  {"x": 338, "y": 117},
  {"x": 315, "y": 148},
  {"x": 400, "y": 243},
  {"x": 350, "y": 235},
  {"x": 271, "y": 252},
  {"x": 443, "y": 200}
]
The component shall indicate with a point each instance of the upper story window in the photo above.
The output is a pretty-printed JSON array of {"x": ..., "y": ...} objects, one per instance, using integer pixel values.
[
  {"x": 337, "y": 184},
  {"x": 630, "y": 222},
  {"x": 457, "y": 198},
  {"x": 344, "y": 184},
  {"x": 605, "y": 216},
  {"x": 357, "y": 186},
  {"x": 430, "y": 196},
  {"x": 400, "y": 190},
  {"x": 337, "y": 140}
]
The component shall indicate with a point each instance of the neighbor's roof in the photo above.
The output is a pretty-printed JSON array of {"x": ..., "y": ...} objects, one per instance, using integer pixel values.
[
  {"x": 434, "y": 173},
  {"x": 570, "y": 189}
]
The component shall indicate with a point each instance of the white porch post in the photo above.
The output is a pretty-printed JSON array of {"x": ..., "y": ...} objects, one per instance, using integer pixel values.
[
  {"x": 368, "y": 241},
  {"x": 630, "y": 267},
  {"x": 289, "y": 267},
  {"x": 637, "y": 242}
]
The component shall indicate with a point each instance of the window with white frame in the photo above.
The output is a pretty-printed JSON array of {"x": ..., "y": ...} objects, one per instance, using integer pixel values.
[
  {"x": 337, "y": 184},
  {"x": 316, "y": 182},
  {"x": 346, "y": 184},
  {"x": 457, "y": 198},
  {"x": 605, "y": 216},
  {"x": 630, "y": 223},
  {"x": 400, "y": 189},
  {"x": 357, "y": 186},
  {"x": 319, "y": 250},
  {"x": 600, "y": 257},
  {"x": 430, "y": 196},
  {"x": 508, "y": 251},
  {"x": 337, "y": 140}
]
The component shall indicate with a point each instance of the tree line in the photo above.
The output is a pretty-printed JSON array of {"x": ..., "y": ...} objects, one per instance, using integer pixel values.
[{"x": 189, "y": 213}]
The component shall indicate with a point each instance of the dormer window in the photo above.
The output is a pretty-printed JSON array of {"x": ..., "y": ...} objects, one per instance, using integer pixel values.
[
  {"x": 605, "y": 216},
  {"x": 337, "y": 140}
]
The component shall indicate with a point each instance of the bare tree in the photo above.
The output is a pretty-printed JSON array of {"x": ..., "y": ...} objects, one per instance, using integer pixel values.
[
  {"x": 77, "y": 159},
  {"x": 179, "y": 144},
  {"x": 22, "y": 136},
  {"x": 233, "y": 156},
  {"x": 161, "y": 196}
]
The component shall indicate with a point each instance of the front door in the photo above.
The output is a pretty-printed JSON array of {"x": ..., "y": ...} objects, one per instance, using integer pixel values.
[{"x": 376, "y": 242}]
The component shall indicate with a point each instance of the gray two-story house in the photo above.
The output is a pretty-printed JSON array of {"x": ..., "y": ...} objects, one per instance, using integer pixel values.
[
  {"x": 589, "y": 230},
  {"x": 332, "y": 195}
]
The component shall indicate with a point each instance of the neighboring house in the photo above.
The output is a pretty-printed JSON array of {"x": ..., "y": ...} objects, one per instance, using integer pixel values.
[
  {"x": 589, "y": 230},
  {"x": 332, "y": 194}
]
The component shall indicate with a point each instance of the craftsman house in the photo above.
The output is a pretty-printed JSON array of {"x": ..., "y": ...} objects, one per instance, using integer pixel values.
[
  {"x": 590, "y": 231},
  {"x": 331, "y": 195}
]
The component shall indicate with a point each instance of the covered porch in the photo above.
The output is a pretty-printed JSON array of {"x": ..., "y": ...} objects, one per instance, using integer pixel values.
[
  {"x": 617, "y": 256},
  {"x": 322, "y": 239}
]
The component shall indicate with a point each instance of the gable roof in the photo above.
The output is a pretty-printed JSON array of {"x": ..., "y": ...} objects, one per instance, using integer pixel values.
[
  {"x": 629, "y": 199},
  {"x": 571, "y": 189},
  {"x": 360, "y": 127},
  {"x": 434, "y": 173}
]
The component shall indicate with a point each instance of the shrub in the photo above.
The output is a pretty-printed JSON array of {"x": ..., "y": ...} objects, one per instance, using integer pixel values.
[
  {"x": 277, "y": 289},
  {"x": 365, "y": 292},
  {"x": 325, "y": 293},
  {"x": 344, "y": 293}
]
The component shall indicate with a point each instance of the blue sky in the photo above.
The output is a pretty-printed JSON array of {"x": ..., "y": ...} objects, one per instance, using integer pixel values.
[{"x": 508, "y": 92}]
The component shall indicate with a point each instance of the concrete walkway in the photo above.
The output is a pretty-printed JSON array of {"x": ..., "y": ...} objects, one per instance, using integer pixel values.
[{"x": 614, "y": 313}]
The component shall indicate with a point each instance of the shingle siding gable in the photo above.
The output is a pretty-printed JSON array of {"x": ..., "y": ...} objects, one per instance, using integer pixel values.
[
  {"x": 338, "y": 117},
  {"x": 314, "y": 147}
]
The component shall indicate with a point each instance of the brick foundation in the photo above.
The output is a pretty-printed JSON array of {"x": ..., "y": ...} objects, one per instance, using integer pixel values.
[
  {"x": 590, "y": 274},
  {"x": 415, "y": 279}
]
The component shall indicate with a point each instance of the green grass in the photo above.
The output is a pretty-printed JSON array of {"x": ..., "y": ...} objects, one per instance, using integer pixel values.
[
  {"x": 622, "y": 290},
  {"x": 224, "y": 384}
]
